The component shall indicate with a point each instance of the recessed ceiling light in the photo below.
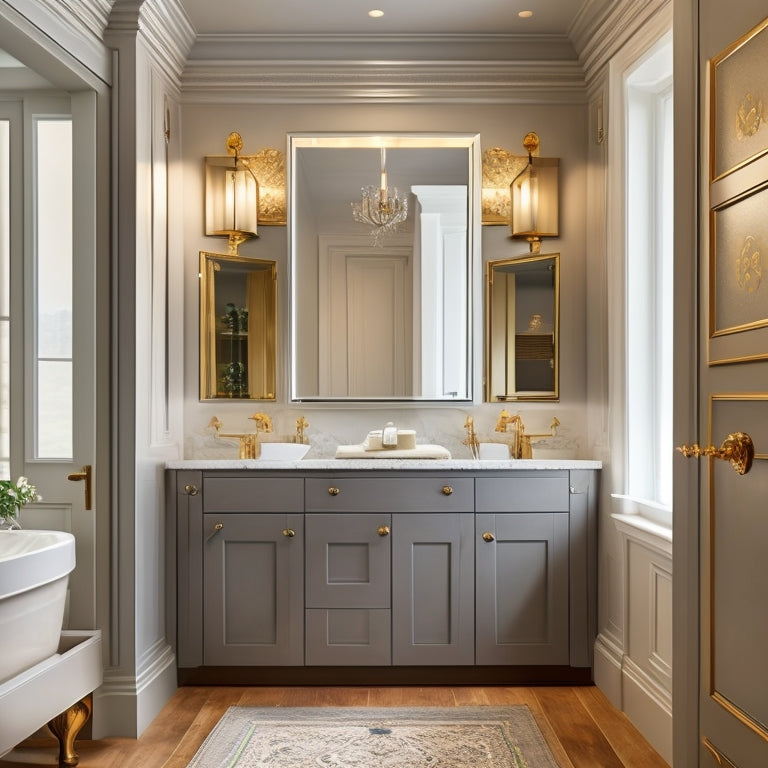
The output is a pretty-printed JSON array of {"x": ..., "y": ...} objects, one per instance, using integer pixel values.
[
  {"x": 525, "y": 14},
  {"x": 376, "y": 14}
]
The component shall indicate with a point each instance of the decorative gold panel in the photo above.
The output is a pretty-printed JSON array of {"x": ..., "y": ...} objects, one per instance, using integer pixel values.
[
  {"x": 499, "y": 170},
  {"x": 739, "y": 96}
]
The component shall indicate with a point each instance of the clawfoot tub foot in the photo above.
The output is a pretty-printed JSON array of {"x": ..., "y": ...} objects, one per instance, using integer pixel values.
[{"x": 66, "y": 726}]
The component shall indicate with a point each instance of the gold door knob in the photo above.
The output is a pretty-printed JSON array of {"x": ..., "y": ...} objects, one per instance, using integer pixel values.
[
  {"x": 334, "y": 491},
  {"x": 191, "y": 490},
  {"x": 737, "y": 448},
  {"x": 383, "y": 530},
  {"x": 289, "y": 533},
  {"x": 488, "y": 537},
  {"x": 447, "y": 490}
]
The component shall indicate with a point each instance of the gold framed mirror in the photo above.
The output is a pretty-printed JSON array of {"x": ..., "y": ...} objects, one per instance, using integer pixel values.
[
  {"x": 238, "y": 319},
  {"x": 523, "y": 328}
]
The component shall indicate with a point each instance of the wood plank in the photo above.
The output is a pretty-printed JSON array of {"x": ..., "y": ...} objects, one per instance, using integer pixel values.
[
  {"x": 584, "y": 743},
  {"x": 623, "y": 737}
]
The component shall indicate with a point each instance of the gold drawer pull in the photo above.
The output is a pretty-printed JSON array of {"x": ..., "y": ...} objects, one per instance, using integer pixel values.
[
  {"x": 383, "y": 530},
  {"x": 334, "y": 491},
  {"x": 191, "y": 490},
  {"x": 488, "y": 537},
  {"x": 447, "y": 490},
  {"x": 737, "y": 448},
  {"x": 289, "y": 533},
  {"x": 216, "y": 529}
]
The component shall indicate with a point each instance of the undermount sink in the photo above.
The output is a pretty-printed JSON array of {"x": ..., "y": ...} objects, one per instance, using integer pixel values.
[{"x": 282, "y": 451}]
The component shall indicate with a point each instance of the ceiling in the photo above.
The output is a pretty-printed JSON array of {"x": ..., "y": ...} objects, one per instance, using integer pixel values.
[{"x": 350, "y": 17}]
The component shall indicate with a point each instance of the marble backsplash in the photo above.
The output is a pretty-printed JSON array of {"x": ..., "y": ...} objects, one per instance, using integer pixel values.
[{"x": 349, "y": 425}]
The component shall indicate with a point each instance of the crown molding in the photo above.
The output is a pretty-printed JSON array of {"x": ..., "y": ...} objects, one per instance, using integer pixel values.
[
  {"x": 604, "y": 27},
  {"x": 382, "y": 82}
]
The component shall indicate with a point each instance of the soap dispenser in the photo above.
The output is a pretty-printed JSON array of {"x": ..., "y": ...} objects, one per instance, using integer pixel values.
[{"x": 389, "y": 436}]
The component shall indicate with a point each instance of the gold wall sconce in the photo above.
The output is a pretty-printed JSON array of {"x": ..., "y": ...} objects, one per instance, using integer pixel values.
[
  {"x": 534, "y": 194},
  {"x": 231, "y": 196}
]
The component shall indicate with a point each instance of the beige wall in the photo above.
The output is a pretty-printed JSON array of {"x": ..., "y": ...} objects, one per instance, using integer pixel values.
[{"x": 562, "y": 130}]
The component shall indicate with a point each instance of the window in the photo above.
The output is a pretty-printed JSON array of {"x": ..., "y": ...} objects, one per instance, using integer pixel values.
[
  {"x": 649, "y": 280},
  {"x": 53, "y": 289}
]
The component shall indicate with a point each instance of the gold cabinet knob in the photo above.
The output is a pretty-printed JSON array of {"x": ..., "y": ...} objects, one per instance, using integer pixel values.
[
  {"x": 334, "y": 491},
  {"x": 216, "y": 529},
  {"x": 191, "y": 490},
  {"x": 447, "y": 490},
  {"x": 488, "y": 537},
  {"x": 289, "y": 533},
  {"x": 383, "y": 530},
  {"x": 737, "y": 448}
]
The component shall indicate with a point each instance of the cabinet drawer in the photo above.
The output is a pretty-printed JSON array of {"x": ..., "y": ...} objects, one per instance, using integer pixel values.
[
  {"x": 406, "y": 494},
  {"x": 539, "y": 492},
  {"x": 253, "y": 494}
]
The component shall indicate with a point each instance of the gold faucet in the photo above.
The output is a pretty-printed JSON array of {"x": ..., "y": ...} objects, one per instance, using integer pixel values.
[
  {"x": 249, "y": 446},
  {"x": 301, "y": 425},
  {"x": 471, "y": 440},
  {"x": 521, "y": 444}
]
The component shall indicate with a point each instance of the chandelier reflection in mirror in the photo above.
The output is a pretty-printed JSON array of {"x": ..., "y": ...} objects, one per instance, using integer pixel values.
[{"x": 383, "y": 209}]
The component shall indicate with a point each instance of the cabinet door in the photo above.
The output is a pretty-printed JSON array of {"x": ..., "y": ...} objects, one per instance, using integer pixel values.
[
  {"x": 522, "y": 588},
  {"x": 433, "y": 606},
  {"x": 348, "y": 589},
  {"x": 253, "y": 589}
]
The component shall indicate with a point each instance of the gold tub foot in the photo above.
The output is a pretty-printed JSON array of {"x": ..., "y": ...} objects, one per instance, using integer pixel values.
[{"x": 66, "y": 726}]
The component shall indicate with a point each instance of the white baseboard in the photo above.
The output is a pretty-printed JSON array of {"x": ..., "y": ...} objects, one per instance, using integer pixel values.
[
  {"x": 629, "y": 689},
  {"x": 125, "y": 705}
]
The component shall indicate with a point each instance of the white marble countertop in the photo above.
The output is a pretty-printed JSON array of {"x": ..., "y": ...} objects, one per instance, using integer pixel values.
[{"x": 346, "y": 465}]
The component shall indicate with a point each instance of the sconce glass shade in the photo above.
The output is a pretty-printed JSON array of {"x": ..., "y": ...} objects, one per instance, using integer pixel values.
[
  {"x": 231, "y": 200},
  {"x": 535, "y": 211}
]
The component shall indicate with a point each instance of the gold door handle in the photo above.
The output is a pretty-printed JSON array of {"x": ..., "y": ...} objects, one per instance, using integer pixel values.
[
  {"x": 488, "y": 537},
  {"x": 84, "y": 474},
  {"x": 334, "y": 491},
  {"x": 289, "y": 533},
  {"x": 216, "y": 529},
  {"x": 383, "y": 530},
  {"x": 447, "y": 490},
  {"x": 737, "y": 448}
]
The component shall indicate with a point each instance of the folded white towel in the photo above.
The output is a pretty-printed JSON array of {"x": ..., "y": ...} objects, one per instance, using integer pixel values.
[{"x": 417, "y": 452}]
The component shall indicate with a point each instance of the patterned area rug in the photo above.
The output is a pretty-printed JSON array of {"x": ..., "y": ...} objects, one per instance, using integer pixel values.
[{"x": 340, "y": 737}]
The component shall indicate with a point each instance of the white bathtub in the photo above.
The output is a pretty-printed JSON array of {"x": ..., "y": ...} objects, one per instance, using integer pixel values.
[{"x": 34, "y": 570}]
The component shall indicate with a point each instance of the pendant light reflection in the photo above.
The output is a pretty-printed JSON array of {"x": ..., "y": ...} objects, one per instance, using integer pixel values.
[
  {"x": 231, "y": 196},
  {"x": 534, "y": 193}
]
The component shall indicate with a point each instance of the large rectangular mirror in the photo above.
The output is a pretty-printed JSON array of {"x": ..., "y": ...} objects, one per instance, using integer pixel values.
[
  {"x": 238, "y": 310},
  {"x": 522, "y": 328},
  {"x": 383, "y": 313}
]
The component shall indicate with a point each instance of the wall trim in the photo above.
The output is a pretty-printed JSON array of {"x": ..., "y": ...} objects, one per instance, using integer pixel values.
[
  {"x": 125, "y": 705},
  {"x": 317, "y": 82}
]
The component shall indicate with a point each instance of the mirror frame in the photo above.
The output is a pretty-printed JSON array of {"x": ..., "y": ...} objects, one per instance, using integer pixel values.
[
  {"x": 210, "y": 265},
  {"x": 533, "y": 396},
  {"x": 471, "y": 143}
]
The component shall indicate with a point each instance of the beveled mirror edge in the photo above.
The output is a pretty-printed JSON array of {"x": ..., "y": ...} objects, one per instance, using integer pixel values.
[
  {"x": 208, "y": 266},
  {"x": 470, "y": 141},
  {"x": 489, "y": 397}
]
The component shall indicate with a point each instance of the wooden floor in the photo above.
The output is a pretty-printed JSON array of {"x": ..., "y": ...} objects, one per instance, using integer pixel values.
[{"x": 582, "y": 728}]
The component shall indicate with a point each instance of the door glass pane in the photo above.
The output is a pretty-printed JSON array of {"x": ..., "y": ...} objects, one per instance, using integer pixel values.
[
  {"x": 53, "y": 336},
  {"x": 5, "y": 242}
]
